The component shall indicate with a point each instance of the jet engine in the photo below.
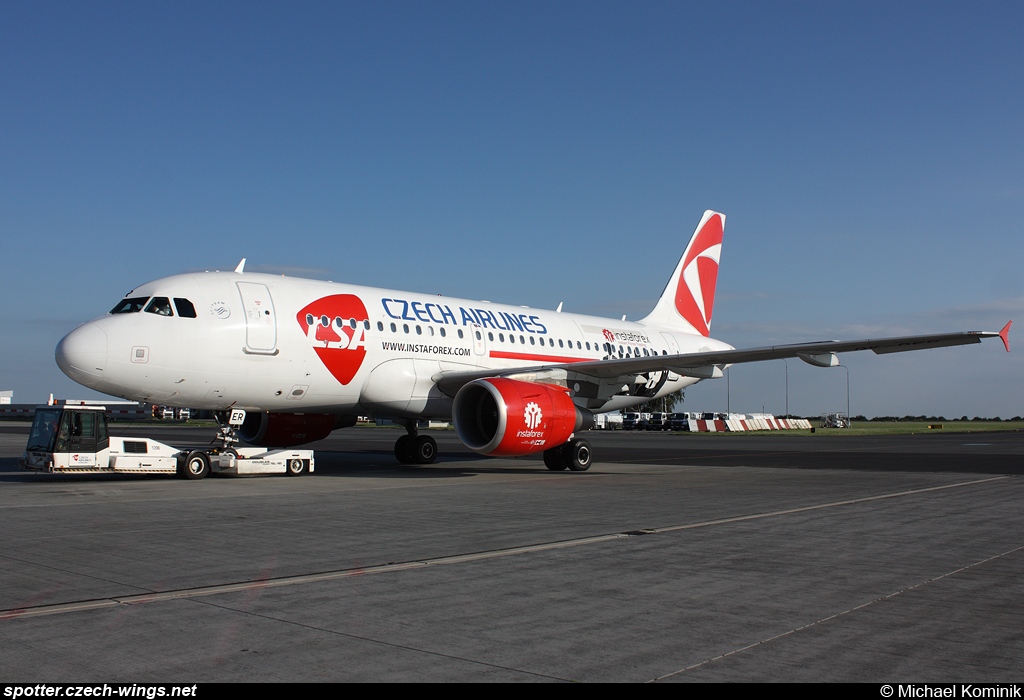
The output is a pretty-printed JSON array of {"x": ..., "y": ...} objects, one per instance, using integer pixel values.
[
  {"x": 265, "y": 429},
  {"x": 508, "y": 418}
]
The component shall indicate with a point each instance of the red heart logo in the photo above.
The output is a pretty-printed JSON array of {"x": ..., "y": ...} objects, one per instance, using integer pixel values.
[{"x": 328, "y": 322}]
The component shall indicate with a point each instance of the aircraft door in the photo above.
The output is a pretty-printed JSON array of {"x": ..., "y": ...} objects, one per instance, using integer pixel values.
[
  {"x": 479, "y": 341},
  {"x": 260, "y": 319},
  {"x": 673, "y": 346}
]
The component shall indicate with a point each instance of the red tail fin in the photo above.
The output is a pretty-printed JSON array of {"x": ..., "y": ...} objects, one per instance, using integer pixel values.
[{"x": 689, "y": 297}]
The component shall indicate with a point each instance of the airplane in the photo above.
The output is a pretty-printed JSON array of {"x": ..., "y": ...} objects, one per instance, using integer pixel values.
[{"x": 304, "y": 357}]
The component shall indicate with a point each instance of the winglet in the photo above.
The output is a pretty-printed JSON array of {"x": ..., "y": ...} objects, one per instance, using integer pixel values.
[
  {"x": 241, "y": 266},
  {"x": 1004, "y": 335}
]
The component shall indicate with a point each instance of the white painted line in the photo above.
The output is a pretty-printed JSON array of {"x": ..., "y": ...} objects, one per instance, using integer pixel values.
[{"x": 202, "y": 591}]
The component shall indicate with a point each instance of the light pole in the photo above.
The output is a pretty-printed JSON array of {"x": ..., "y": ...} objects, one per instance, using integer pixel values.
[
  {"x": 787, "y": 386},
  {"x": 849, "y": 421},
  {"x": 728, "y": 393}
]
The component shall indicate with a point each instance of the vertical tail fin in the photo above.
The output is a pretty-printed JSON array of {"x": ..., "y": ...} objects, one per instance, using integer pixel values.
[{"x": 689, "y": 296}]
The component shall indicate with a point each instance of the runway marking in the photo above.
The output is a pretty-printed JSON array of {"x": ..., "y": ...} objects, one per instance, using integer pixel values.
[
  {"x": 381, "y": 642},
  {"x": 395, "y": 567},
  {"x": 833, "y": 504},
  {"x": 837, "y": 615},
  {"x": 675, "y": 459}
]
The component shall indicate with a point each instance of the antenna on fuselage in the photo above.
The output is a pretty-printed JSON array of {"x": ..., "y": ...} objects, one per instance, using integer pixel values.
[
  {"x": 241, "y": 266},
  {"x": 559, "y": 309}
]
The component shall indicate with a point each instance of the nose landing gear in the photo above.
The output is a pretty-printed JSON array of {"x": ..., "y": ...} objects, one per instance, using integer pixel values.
[{"x": 226, "y": 435}]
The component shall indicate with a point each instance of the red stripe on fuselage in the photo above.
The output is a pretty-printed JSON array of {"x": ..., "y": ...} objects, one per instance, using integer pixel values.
[{"x": 502, "y": 355}]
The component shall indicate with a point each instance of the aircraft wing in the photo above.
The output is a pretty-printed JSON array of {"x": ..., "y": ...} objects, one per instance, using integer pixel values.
[{"x": 711, "y": 363}]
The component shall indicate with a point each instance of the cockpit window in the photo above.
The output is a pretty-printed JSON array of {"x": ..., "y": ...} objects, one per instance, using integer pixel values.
[
  {"x": 185, "y": 308},
  {"x": 161, "y": 306},
  {"x": 129, "y": 306}
]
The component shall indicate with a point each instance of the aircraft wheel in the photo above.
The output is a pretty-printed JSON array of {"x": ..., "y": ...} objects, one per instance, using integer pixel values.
[
  {"x": 403, "y": 449},
  {"x": 424, "y": 450},
  {"x": 578, "y": 455},
  {"x": 195, "y": 466},
  {"x": 554, "y": 459},
  {"x": 296, "y": 467}
]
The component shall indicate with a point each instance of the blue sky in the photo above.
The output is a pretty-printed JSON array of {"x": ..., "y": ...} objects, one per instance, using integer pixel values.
[{"x": 868, "y": 158}]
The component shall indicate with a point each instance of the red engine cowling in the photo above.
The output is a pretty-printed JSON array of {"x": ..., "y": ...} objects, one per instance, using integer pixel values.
[
  {"x": 508, "y": 418},
  {"x": 289, "y": 429}
]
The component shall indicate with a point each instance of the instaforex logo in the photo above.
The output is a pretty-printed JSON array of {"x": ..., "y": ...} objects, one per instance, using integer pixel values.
[
  {"x": 532, "y": 415},
  {"x": 625, "y": 336}
]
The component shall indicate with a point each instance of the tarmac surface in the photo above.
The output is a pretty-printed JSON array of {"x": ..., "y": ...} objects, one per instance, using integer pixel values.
[{"x": 676, "y": 558}]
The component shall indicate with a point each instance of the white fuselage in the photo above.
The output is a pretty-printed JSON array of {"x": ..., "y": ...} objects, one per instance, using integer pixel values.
[{"x": 283, "y": 344}]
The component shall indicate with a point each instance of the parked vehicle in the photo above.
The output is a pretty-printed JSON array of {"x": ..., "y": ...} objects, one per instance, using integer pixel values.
[
  {"x": 74, "y": 440},
  {"x": 657, "y": 421}
]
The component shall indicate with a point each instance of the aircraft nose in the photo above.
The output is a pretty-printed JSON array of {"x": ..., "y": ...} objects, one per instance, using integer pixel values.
[{"x": 82, "y": 354}]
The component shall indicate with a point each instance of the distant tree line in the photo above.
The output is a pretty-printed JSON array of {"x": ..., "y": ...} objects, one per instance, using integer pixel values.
[
  {"x": 932, "y": 419},
  {"x": 667, "y": 404}
]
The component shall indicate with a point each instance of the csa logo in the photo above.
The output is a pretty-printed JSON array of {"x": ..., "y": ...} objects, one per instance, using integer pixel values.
[
  {"x": 334, "y": 326},
  {"x": 695, "y": 294},
  {"x": 532, "y": 415}
]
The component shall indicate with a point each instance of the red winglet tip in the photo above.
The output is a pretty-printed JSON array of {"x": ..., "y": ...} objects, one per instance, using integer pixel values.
[{"x": 1004, "y": 335}]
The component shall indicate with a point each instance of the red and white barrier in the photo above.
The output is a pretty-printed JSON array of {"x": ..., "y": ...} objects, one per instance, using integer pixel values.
[{"x": 753, "y": 423}]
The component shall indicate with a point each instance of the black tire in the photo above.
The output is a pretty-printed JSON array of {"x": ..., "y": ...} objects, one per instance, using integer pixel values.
[
  {"x": 195, "y": 466},
  {"x": 296, "y": 467},
  {"x": 403, "y": 449},
  {"x": 424, "y": 450},
  {"x": 554, "y": 459},
  {"x": 578, "y": 455}
]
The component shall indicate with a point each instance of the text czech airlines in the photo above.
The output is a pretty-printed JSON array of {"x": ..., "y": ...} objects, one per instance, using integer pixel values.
[{"x": 429, "y": 312}]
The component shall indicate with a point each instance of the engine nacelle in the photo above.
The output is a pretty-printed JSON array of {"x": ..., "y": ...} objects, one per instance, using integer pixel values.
[
  {"x": 508, "y": 418},
  {"x": 289, "y": 429}
]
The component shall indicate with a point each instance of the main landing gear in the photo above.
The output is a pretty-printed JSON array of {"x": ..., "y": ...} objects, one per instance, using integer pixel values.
[
  {"x": 415, "y": 449},
  {"x": 574, "y": 455}
]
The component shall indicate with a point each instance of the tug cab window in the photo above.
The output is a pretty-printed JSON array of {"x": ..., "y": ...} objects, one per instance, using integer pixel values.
[
  {"x": 129, "y": 306},
  {"x": 161, "y": 306},
  {"x": 44, "y": 429},
  {"x": 185, "y": 308}
]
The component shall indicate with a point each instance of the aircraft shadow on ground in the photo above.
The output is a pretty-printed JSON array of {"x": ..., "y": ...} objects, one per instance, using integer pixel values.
[{"x": 382, "y": 464}]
